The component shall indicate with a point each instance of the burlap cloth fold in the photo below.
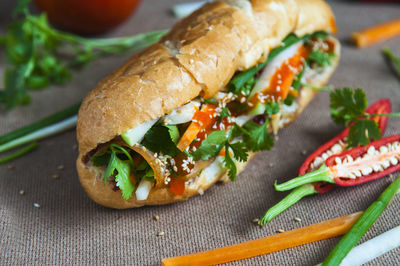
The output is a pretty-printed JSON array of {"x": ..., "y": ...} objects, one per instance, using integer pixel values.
[{"x": 69, "y": 228}]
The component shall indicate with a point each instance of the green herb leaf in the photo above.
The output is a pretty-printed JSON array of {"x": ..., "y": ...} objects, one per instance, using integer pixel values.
[
  {"x": 393, "y": 60},
  {"x": 145, "y": 171},
  {"x": 239, "y": 150},
  {"x": 272, "y": 108},
  {"x": 158, "y": 139},
  {"x": 320, "y": 58},
  {"x": 362, "y": 131},
  {"x": 230, "y": 164},
  {"x": 210, "y": 101},
  {"x": 347, "y": 105},
  {"x": 258, "y": 137},
  {"x": 210, "y": 146}
]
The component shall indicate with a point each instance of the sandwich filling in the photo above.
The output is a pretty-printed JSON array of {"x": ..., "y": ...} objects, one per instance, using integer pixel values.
[{"x": 209, "y": 135}]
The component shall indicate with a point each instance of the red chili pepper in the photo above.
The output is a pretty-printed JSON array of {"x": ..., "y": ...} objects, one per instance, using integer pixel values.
[
  {"x": 381, "y": 106},
  {"x": 355, "y": 166}
]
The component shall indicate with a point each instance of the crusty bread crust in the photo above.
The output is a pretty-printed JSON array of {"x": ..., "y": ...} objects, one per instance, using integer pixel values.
[{"x": 199, "y": 56}]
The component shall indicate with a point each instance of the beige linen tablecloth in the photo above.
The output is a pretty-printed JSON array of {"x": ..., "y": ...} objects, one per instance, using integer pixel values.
[{"x": 69, "y": 228}]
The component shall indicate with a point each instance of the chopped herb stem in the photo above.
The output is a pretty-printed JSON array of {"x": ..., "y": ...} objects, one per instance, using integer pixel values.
[
  {"x": 362, "y": 225},
  {"x": 387, "y": 115},
  {"x": 19, "y": 153},
  {"x": 41, "y": 133},
  {"x": 47, "y": 121}
]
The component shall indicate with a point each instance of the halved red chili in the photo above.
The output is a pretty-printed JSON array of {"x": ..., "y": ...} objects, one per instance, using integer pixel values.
[
  {"x": 355, "y": 166},
  {"x": 311, "y": 163}
]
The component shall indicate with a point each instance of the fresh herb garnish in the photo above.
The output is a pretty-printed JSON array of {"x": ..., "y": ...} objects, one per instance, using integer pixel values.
[
  {"x": 211, "y": 146},
  {"x": 320, "y": 58},
  {"x": 224, "y": 113},
  {"x": 158, "y": 139},
  {"x": 119, "y": 163},
  {"x": 210, "y": 101},
  {"x": 36, "y": 54},
  {"x": 348, "y": 108},
  {"x": 393, "y": 60}
]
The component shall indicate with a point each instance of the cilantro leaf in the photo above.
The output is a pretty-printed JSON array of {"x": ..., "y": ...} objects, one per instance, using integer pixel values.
[
  {"x": 210, "y": 146},
  {"x": 272, "y": 108},
  {"x": 239, "y": 150},
  {"x": 230, "y": 164},
  {"x": 210, "y": 101},
  {"x": 320, "y": 58},
  {"x": 258, "y": 137},
  {"x": 145, "y": 171},
  {"x": 393, "y": 60},
  {"x": 158, "y": 139},
  {"x": 362, "y": 131},
  {"x": 347, "y": 105}
]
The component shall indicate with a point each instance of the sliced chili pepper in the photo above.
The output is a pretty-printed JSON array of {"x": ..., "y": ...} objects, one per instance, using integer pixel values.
[
  {"x": 355, "y": 166},
  {"x": 311, "y": 163},
  {"x": 177, "y": 185}
]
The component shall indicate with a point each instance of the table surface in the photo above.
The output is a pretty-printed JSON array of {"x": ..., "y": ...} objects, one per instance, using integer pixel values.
[{"x": 69, "y": 228}]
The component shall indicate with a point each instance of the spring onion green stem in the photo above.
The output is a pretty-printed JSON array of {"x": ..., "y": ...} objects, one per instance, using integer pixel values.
[
  {"x": 41, "y": 133},
  {"x": 387, "y": 115},
  {"x": 54, "y": 118},
  {"x": 19, "y": 153},
  {"x": 362, "y": 225},
  {"x": 291, "y": 199},
  {"x": 322, "y": 174}
]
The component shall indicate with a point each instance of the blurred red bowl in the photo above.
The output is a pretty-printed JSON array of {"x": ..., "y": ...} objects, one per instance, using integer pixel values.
[{"x": 87, "y": 16}]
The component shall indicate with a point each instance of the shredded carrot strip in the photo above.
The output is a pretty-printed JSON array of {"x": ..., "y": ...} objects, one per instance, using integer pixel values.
[
  {"x": 293, "y": 238},
  {"x": 377, "y": 33},
  {"x": 201, "y": 120}
]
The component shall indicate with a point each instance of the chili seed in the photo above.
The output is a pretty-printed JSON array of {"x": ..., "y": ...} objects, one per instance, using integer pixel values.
[
  {"x": 22, "y": 192},
  {"x": 36, "y": 205},
  {"x": 156, "y": 217},
  {"x": 297, "y": 219},
  {"x": 280, "y": 230},
  {"x": 60, "y": 167},
  {"x": 161, "y": 233}
]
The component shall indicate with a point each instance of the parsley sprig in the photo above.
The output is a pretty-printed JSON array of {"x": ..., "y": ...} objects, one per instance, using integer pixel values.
[
  {"x": 348, "y": 108},
  {"x": 39, "y": 55}
]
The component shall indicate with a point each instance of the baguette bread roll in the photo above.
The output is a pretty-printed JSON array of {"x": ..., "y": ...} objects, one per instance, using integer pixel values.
[{"x": 198, "y": 56}]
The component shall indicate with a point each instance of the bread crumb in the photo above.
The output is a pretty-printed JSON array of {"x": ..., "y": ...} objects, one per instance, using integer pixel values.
[
  {"x": 256, "y": 221},
  {"x": 280, "y": 230},
  {"x": 297, "y": 219},
  {"x": 161, "y": 233},
  {"x": 10, "y": 166},
  {"x": 36, "y": 205},
  {"x": 55, "y": 176},
  {"x": 156, "y": 217},
  {"x": 60, "y": 167},
  {"x": 22, "y": 192}
]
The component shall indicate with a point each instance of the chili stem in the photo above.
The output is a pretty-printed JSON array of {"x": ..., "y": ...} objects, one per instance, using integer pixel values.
[
  {"x": 291, "y": 199},
  {"x": 41, "y": 133},
  {"x": 47, "y": 121},
  {"x": 387, "y": 115},
  {"x": 362, "y": 225},
  {"x": 19, "y": 153},
  {"x": 322, "y": 174}
]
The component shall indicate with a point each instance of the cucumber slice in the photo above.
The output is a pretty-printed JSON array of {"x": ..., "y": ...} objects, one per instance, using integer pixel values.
[{"x": 135, "y": 135}]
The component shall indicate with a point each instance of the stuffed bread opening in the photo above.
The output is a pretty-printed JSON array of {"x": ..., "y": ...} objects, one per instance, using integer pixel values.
[{"x": 211, "y": 135}]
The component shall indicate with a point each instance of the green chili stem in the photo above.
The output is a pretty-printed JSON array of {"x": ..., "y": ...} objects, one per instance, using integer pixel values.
[
  {"x": 41, "y": 133},
  {"x": 291, "y": 199},
  {"x": 362, "y": 225},
  {"x": 322, "y": 174},
  {"x": 19, "y": 153},
  {"x": 47, "y": 121},
  {"x": 387, "y": 115}
]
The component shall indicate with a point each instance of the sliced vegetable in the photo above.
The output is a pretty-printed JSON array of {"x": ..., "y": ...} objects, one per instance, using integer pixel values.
[
  {"x": 182, "y": 114},
  {"x": 373, "y": 248},
  {"x": 362, "y": 225},
  {"x": 355, "y": 166},
  {"x": 393, "y": 60},
  {"x": 177, "y": 185},
  {"x": 202, "y": 119},
  {"x": 19, "y": 153},
  {"x": 135, "y": 135},
  {"x": 377, "y": 33},
  {"x": 143, "y": 190}
]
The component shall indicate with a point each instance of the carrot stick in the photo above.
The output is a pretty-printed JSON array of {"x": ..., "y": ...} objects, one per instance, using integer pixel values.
[
  {"x": 315, "y": 232},
  {"x": 377, "y": 33}
]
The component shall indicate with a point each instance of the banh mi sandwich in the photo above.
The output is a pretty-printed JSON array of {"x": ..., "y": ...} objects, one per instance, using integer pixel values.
[{"x": 193, "y": 109}]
